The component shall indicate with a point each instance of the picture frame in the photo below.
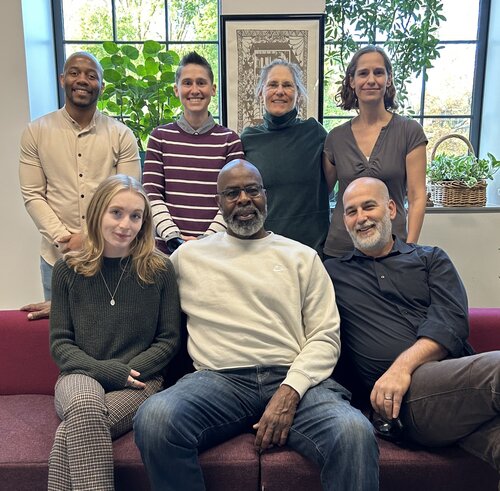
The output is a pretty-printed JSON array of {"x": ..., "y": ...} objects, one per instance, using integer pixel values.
[{"x": 250, "y": 42}]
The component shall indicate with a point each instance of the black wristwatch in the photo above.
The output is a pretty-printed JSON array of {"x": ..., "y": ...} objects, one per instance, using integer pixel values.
[{"x": 173, "y": 244}]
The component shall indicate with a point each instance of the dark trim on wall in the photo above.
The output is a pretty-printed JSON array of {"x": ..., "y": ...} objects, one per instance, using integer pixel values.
[{"x": 479, "y": 74}]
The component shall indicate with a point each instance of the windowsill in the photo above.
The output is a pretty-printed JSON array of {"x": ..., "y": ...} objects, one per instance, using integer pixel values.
[{"x": 459, "y": 209}]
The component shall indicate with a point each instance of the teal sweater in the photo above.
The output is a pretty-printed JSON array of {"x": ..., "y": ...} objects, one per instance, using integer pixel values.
[
  {"x": 288, "y": 152},
  {"x": 92, "y": 337}
]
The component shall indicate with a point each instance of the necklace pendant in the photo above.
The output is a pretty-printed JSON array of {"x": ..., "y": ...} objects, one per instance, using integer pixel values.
[{"x": 112, "y": 302}]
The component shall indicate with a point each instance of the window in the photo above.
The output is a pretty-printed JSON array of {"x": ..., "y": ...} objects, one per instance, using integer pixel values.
[
  {"x": 183, "y": 25},
  {"x": 449, "y": 101}
]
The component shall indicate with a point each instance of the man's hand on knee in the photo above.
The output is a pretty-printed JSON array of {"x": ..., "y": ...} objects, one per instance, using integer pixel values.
[
  {"x": 388, "y": 392},
  {"x": 275, "y": 423},
  {"x": 40, "y": 310}
]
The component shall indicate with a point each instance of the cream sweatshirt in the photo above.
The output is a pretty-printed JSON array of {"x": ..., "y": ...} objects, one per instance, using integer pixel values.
[{"x": 263, "y": 302}]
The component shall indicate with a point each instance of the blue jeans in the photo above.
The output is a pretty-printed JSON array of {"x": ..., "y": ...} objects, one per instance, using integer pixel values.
[
  {"x": 208, "y": 407},
  {"x": 46, "y": 272}
]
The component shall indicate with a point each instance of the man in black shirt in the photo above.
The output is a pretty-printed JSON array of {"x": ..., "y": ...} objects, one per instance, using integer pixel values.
[{"x": 404, "y": 325}]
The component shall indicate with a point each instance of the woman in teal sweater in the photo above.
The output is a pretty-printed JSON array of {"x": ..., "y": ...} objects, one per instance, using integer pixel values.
[
  {"x": 114, "y": 325},
  {"x": 288, "y": 152}
]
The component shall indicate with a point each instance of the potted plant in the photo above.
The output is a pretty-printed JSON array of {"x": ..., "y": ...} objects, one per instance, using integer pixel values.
[
  {"x": 459, "y": 180},
  {"x": 139, "y": 87}
]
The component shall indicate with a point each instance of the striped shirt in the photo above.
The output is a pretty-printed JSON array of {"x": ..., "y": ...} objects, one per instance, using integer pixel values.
[{"x": 180, "y": 178}]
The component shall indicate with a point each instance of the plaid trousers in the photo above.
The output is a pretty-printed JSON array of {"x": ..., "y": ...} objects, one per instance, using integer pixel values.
[{"x": 82, "y": 455}]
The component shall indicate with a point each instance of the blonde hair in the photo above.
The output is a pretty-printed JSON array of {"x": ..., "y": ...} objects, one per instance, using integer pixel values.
[{"x": 146, "y": 260}]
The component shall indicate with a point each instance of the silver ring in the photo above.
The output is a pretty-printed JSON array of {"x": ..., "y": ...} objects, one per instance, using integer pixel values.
[
  {"x": 388, "y": 398},
  {"x": 133, "y": 381}
]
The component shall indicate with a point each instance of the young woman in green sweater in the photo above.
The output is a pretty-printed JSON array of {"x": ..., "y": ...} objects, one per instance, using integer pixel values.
[{"x": 114, "y": 326}]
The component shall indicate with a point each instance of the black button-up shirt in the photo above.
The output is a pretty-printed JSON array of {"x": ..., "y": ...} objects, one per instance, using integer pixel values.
[{"x": 387, "y": 303}]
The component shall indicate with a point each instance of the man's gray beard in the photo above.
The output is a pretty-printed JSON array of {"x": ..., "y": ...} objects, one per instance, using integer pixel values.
[
  {"x": 248, "y": 228},
  {"x": 378, "y": 240}
]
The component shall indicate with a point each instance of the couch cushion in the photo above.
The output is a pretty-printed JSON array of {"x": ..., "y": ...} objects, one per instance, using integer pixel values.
[
  {"x": 27, "y": 427},
  {"x": 27, "y": 367},
  {"x": 411, "y": 469},
  {"x": 232, "y": 465}
]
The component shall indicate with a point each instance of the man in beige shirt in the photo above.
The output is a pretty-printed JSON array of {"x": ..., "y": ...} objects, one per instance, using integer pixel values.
[{"x": 64, "y": 157}]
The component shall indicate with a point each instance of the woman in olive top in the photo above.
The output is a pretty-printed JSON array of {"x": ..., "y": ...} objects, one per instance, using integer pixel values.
[
  {"x": 288, "y": 152},
  {"x": 114, "y": 325},
  {"x": 376, "y": 143}
]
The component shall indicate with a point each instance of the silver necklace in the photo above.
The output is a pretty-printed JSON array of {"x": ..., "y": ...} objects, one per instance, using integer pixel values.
[{"x": 112, "y": 295}]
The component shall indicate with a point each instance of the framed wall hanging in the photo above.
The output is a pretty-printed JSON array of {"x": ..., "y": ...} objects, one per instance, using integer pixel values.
[{"x": 248, "y": 43}]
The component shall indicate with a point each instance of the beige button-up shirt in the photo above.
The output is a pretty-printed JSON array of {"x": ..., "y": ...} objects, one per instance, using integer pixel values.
[{"x": 61, "y": 166}]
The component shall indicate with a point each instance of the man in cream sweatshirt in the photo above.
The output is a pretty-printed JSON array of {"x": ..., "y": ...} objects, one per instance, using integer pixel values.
[{"x": 263, "y": 333}]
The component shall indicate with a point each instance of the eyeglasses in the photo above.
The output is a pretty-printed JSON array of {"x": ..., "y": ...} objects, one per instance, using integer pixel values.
[
  {"x": 232, "y": 194},
  {"x": 287, "y": 86}
]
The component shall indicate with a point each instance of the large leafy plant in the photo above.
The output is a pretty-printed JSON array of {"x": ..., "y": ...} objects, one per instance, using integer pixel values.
[
  {"x": 467, "y": 169},
  {"x": 139, "y": 86},
  {"x": 406, "y": 28}
]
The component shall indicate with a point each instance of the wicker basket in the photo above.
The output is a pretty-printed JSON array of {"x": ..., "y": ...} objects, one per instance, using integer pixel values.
[{"x": 455, "y": 193}]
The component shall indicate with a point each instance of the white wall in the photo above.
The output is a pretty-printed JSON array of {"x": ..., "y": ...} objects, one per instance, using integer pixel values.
[
  {"x": 272, "y": 7},
  {"x": 472, "y": 240},
  {"x": 19, "y": 282}
]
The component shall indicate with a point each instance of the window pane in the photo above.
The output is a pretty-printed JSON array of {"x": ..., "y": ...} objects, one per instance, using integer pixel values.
[
  {"x": 461, "y": 20},
  {"x": 96, "y": 49},
  {"x": 435, "y": 128},
  {"x": 414, "y": 90},
  {"x": 210, "y": 52},
  {"x": 87, "y": 19},
  {"x": 449, "y": 88},
  {"x": 139, "y": 20},
  {"x": 192, "y": 20},
  {"x": 329, "y": 124}
]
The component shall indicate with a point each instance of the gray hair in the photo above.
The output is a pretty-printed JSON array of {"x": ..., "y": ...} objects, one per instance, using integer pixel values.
[{"x": 294, "y": 70}]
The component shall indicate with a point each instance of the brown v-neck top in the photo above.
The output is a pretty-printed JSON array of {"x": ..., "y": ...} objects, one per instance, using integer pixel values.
[{"x": 387, "y": 162}]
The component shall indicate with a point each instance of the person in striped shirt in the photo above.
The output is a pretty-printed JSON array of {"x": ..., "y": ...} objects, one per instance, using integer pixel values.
[{"x": 183, "y": 160}]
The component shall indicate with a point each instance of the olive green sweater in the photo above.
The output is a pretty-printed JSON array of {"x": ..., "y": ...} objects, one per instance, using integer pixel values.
[{"x": 90, "y": 336}]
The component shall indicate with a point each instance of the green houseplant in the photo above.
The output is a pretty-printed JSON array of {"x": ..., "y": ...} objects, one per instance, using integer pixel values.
[
  {"x": 460, "y": 180},
  {"x": 407, "y": 29},
  {"x": 139, "y": 86}
]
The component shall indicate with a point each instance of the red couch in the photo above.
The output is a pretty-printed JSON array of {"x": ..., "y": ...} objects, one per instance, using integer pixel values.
[{"x": 28, "y": 422}]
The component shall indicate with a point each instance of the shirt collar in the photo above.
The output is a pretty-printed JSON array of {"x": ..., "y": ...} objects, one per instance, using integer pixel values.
[
  {"x": 399, "y": 247},
  {"x": 75, "y": 123},
  {"x": 204, "y": 128}
]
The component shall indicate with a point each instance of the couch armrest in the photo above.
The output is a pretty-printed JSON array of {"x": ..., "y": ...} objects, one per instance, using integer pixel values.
[
  {"x": 27, "y": 367},
  {"x": 484, "y": 329}
]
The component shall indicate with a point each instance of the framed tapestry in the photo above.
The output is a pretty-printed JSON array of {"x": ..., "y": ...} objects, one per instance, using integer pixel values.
[{"x": 248, "y": 43}]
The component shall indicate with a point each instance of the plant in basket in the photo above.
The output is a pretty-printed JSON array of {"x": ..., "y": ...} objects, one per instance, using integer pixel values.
[{"x": 460, "y": 180}]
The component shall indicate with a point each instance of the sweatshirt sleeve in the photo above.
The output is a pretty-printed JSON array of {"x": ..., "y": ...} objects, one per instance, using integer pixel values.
[{"x": 321, "y": 322}]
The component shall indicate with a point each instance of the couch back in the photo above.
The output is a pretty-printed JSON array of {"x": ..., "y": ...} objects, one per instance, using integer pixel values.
[{"x": 27, "y": 368}]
